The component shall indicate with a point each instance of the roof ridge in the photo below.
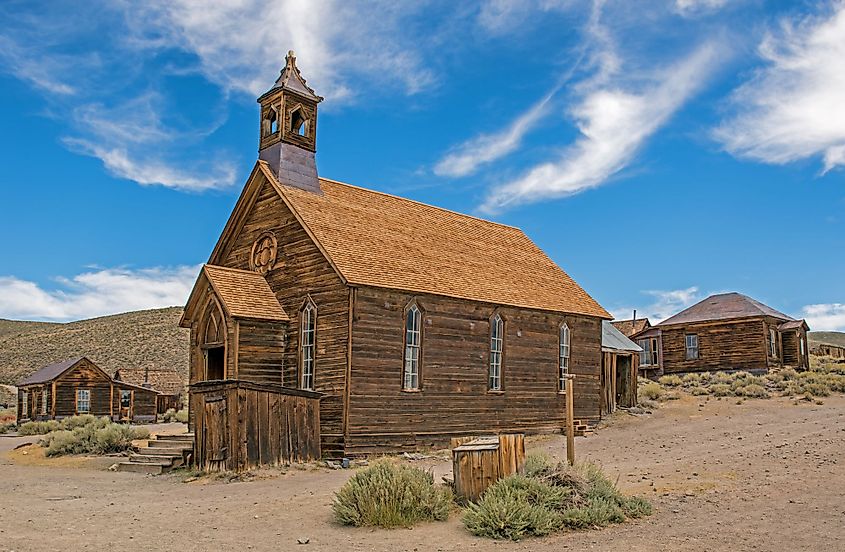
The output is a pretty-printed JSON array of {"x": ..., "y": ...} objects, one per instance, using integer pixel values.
[
  {"x": 394, "y": 196},
  {"x": 232, "y": 269}
]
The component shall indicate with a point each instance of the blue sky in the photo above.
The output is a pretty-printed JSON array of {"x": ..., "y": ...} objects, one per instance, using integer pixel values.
[{"x": 658, "y": 151}]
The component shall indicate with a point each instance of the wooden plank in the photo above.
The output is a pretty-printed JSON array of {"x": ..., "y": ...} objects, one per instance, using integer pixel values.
[
  {"x": 274, "y": 423},
  {"x": 263, "y": 400}
]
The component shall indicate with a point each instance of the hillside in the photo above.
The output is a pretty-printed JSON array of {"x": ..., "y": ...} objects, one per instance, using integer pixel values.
[
  {"x": 144, "y": 338},
  {"x": 831, "y": 338}
]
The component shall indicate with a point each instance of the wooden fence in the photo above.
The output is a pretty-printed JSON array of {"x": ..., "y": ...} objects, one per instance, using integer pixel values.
[{"x": 240, "y": 425}]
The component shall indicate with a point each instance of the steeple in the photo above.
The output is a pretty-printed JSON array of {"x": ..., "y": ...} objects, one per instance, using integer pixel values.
[{"x": 288, "y": 139}]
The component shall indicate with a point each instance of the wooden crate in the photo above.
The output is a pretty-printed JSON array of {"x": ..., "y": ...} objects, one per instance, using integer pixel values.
[{"x": 478, "y": 463}]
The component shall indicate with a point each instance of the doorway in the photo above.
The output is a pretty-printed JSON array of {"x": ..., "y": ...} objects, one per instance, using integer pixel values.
[{"x": 215, "y": 361}]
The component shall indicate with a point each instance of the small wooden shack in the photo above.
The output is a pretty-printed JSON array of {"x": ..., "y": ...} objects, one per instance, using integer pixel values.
[
  {"x": 620, "y": 360},
  {"x": 478, "y": 462},
  {"x": 78, "y": 386},
  {"x": 169, "y": 382},
  {"x": 240, "y": 425},
  {"x": 728, "y": 331}
]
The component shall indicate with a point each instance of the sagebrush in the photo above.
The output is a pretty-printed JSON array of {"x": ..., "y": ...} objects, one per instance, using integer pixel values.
[
  {"x": 548, "y": 498},
  {"x": 86, "y": 435},
  {"x": 172, "y": 415},
  {"x": 390, "y": 495}
]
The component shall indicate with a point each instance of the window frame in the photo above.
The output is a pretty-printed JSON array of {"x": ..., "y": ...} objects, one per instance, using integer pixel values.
[
  {"x": 687, "y": 347},
  {"x": 496, "y": 358},
  {"x": 307, "y": 352},
  {"x": 802, "y": 346},
  {"x": 564, "y": 355},
  {"x": 25, "y": 403},
  {"x": 645, "y": 345},
  {"x": 773, "y": 346},
  {"x": 43, "y": 401},
  {"x": 412, "y": 353},
  {"x": 87, "y": 401},
  {"x": 129, "y": 392}
]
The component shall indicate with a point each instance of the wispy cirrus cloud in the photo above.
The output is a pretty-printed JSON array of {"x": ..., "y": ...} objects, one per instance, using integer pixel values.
[
  {"x": 661, "y": 305},
  {"x": 615, "y": 119},
  {"x": 694, "y": 7},
  {"x": 96, "y": 293},
  {"x": 791, "y": 108},
  {"x": 825, "y": 316}
]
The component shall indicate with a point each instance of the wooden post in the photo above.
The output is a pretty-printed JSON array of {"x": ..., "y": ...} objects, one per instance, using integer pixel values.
[{"x": 570, "y": 421}]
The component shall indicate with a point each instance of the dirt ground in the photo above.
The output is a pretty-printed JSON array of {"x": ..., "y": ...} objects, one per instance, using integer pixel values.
[{"x": 762, "y": 475}]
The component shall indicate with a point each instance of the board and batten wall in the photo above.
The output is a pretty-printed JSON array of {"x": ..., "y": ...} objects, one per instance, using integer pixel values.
[
  {"x": 453, "y": 398},
  {"x": 728, "y": 345}
]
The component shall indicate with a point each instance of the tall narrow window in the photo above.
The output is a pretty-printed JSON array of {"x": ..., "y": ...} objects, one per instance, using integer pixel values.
[
  {"x": 802, "y": 346},
  {"x": 773, "y": 345},
  {"x": 25, "y": 404},
  {"x": 497, "y": 338},
  {"x": 654, "y": 355},
  {"x": 645, "y": 354},
  {"x": 413, "y": 341},
  {"x": 692, "y": 346},
  {"x": 83, "y": 401},
  {"x": 563, "y": 357},
  {"x": 307, "y": 344},
  {"x": 44, "y": 402}
]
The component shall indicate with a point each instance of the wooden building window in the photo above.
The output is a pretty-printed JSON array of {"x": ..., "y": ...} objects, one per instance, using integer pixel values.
[
  {"x": 83, "y": 401},
  {"x": 497, "y": 341},
  {"x": 801, "y": 342},
  {"x": 307, "y": 344},
  {"x": 773, "y": 344},
  {"x": 413, "y": 345},
  {"x": 648, "y": 355},
  {"x": 44, "y": 402},
  {"x": 25, "y": 404},
  {"x": 692, "y": 346},
  {"x": 563, "y": 357},
  {"x": 125, "y": 398}
]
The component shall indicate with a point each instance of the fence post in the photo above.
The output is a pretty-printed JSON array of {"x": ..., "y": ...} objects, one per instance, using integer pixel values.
[{"x": 570, "y": 422}]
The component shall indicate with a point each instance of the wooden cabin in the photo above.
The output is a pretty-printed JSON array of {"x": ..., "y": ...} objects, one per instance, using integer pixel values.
[
  {"x": 620, "y": 369},
  {"x": 729, "y": 331},
  {"x": 413, "y": 323},
  {"x": 169, "y": 383},
  {"x": 78, "y": 386},
  {"x": 831, "y": 350}
]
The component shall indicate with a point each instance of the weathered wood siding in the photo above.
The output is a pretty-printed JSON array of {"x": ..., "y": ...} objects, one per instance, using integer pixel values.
[
  {"x": 83, "y": 376},
  {"x": 241, "y": 425},
  {"x": 729, "y": 345},
  {"x": 144, "y": 403},
  {"x": 454, "y": 398},
  {"x": 261, "y": 351},
  {"x": 301, "y": 271}
]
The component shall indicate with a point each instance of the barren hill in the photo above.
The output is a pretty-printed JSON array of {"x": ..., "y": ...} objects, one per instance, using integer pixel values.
[
  {"x": 150, "y": 338},
  {"x": 831, "y": 338}
]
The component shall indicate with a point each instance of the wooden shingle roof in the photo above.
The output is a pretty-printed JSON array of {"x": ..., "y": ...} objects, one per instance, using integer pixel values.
[
  {"x": 244, "y": 294},
  {"x": 380, "y": 240},
  {"x": 631, "y": 327},
  {"x": 724, "y": 306},
  {"x": 166, "y": 381}
]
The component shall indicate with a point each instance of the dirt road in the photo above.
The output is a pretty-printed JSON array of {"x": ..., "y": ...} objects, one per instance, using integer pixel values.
[{"x": 763, "y": 475}]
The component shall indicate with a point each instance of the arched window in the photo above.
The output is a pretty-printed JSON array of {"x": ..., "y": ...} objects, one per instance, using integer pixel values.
[
  {"x": 270, "y": 123},
  {"x": 214, "y": 343},
  {"x": 413, "y": 344},
  {"x": 307, "y": 344},
  {"x": 497, "y": 340},
  {"x": 563, "y": 357},
  {"x": 214, "y": 329},
  {"x": 298, "y": 123}
]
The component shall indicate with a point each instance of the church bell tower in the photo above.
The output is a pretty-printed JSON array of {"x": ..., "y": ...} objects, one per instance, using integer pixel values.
[{"x": 288, "y": 138}]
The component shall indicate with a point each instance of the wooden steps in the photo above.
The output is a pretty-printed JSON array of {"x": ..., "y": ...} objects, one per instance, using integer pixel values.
[
  {"x": 582, "y": 429},
  {"x": 161, "y": 455}
]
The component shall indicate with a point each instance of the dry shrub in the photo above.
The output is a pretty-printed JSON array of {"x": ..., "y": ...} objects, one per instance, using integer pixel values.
[
  {"x": 558, "y": 497},
  {"x": 391, "y": 495},
  {"x": 752, "y": 390},
  {"x": 90, "y": 435},
  {"x": 695, "y": 378},
  {"x": 721, "y": 390},
  {"x": 172, "y": 415},
  {"x": 38, "y": 428},
  {"x": 651, "y": 391},
  {"x": 699, "y": 390},
  {"x": 670, "y": 380}
]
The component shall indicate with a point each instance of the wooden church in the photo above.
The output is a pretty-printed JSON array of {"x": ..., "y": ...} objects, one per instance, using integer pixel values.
[{"x": 412, "y": 323}]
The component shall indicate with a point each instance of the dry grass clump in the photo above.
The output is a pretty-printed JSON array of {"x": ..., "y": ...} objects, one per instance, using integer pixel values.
[
  {"x": 650, "y": 391},
  {"x": 172, "y": 415},
  {"x": 391, "y": 495},
  {"x": 85, "y": 435},
  {"x": 670, "y": 380},
  {"x": 552, "y": 498},
  {"x": 39, "y": 428}
]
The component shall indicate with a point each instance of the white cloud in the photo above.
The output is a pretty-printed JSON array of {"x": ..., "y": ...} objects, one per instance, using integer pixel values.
[
  {"x": 825, "y": 317},
  {"x": 615, "y": 120},
  {"x": 241, "y": 45},
  {"x": 663, "y": 304},
  {"x": 792, "y": 108},
  {"x": 469, "y": 156},
  {"x": 692, "y": 7},
  {"x": 96, "y": 293}
]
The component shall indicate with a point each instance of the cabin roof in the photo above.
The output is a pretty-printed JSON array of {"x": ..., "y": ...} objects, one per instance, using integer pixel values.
[
  {"x": 613, "y": 340},
  {"x": 245, "y": 294},
  {"x": 377, "y": 239},
  {"x": 724, "y": 306},
  {"x": 50, "y": 372},
  {"x": 631, "y": 327},
  {"x": 167, "y": 382},
  {"x": 794, "y": 325}
]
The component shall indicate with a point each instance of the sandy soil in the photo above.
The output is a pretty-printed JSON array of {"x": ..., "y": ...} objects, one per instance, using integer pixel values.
[{"x": 763, "y": 475}]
